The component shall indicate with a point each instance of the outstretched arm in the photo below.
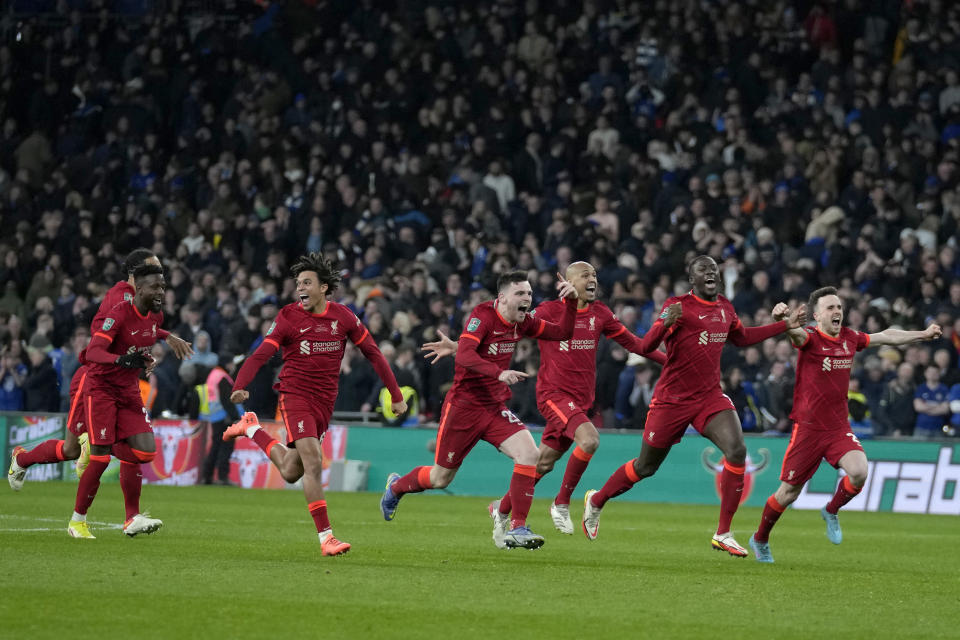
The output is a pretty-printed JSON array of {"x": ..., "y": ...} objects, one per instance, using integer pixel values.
[
  {"x": 250, "y": 367},
  {"x": 439, "y": 349},
  {"x": 745, "y": 336},
  {"x": 899, "y": 336},
  {"x": 561, "y": 331},
  {"x": 647, "y": 346}
]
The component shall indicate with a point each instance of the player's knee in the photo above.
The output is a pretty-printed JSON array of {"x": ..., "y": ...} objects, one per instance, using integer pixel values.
[
  {"x": 858, "y": 475},
  {"x": 440, "y": 477},
  {"x": 644, "y": 470},
  {"x": 544, "y": 467},
  {"x": 71, "y": 451},
  {"x": 736, "y": 453},
  {"x": 590, "y": 445},
  {"x": 528, "y": 457}
]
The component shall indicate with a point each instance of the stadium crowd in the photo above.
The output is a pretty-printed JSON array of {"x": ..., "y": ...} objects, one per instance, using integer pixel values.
[{"x": 432, "y": 145}]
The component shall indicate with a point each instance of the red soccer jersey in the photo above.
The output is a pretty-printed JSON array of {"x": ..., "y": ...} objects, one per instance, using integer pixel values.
[
  {"x": 496, "y": 340},
  {"x": 312, "y": 346},
  {"x": 570, "y": 366},
  {"x": 694, "y": 344},
  {"x": 121, "y": 292},
  {"x": 823, "y": 378},
  {"x": 127, "y": 331}
]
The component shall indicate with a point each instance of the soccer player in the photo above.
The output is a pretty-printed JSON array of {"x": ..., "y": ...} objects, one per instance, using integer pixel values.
[
  {"x": 474, "y": 408},
  {"x": 821, "y": 428},
  {"x": 112, "y": 407},
  {"x": 688, "y": 393},
  {"x": 566, "y": 384},
  {"x": 311, "y": 334},
  {"x": 75, "y": 445}
]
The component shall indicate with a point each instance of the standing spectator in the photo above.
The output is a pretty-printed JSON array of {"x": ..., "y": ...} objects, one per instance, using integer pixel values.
[
  {"x": 40, "y": 390},
  {"x": 931, "y": 404},
  {"x": 898, "y": 415},
  {"x": 502, "y": 184}
]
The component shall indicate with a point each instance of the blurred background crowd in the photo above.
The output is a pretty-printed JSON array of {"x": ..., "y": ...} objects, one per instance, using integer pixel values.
[{"x": 431, "y": 145}]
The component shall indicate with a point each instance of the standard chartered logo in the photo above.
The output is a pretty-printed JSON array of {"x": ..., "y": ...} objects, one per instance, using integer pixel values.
[
  {"x": 704, "y": 338},
  {"x": 564, "y": 345},
  {"x": 827, "y": 365},
  {"x": 305, "y": 347}
]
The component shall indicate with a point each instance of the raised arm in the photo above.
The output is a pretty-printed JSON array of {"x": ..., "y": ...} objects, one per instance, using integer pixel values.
[
  {"x": 562, "y": 330},
  {"x": 899, "y": 336},
  {"x": 797, "y": 336}
]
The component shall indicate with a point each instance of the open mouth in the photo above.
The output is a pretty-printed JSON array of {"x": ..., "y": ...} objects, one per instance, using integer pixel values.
[
  {"x": 835, "y": 322},
  {"x": 710, "y": 281},
  {"x": 304, "y": 298},
  {"x": 523, "y": 308},
  {"x": 591, "y": 289}
]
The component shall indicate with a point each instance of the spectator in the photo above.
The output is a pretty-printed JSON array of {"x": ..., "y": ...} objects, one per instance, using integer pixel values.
[
  {"x": 931, "y": 404},
  {"x": 12, "y": 374},
  {"x": 41, "y": 392}
]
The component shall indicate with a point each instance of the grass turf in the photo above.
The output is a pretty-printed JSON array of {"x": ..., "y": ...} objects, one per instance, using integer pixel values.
[{"x": 231, "y": 563}]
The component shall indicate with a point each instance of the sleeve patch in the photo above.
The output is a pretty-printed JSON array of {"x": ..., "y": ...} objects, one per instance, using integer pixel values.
[
  {"x": 474, "y": 324},
  {"x": 273, "y": 325},
  {"x": 108, "y": 324}
]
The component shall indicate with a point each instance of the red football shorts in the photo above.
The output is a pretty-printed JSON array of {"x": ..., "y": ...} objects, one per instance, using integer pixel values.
[
  {"x": 461, "y": 428},
  {"x": 77, "y": 417},
  {"x": 808, "y": 446},
  {"x": 666, "y": 422},
  {"x": 112, "y": 417},
  {"x": 563, "y": 417},
  {"x": 304, "y": 417}
]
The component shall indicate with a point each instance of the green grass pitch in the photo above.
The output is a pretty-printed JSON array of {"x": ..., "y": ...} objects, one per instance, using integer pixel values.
[{"x": 236, "y": 564}]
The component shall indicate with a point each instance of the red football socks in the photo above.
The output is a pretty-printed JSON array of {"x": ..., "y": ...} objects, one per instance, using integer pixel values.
[
  {"x": 845, "y": 493},
  {"x": 264, "y": 441},
  {"x": 90, "y": 482},
  {"x": 771, "y": 513},
  {"x": 414, "y": 482},
  {"x": 522, "y": 482},
  {"x": 44, "y": 453},
  {"x": 131, "y": 482},
  {"x": 576, "y": 465},
  {"x": 318, "y": 510},
  {"x": 731, "y": 489},
  {"x": 620, "y": 482}
]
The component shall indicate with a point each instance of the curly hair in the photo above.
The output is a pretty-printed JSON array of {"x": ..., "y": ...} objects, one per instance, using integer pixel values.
[
  {"x": 135, "y": 259},
  {"x": 328, "y": 272}
]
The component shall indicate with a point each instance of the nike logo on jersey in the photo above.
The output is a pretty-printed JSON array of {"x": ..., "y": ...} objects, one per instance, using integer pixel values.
[
  {"x": 133, "y": 333},
  {"x": 304, "y": 330},
  {"x": 499, "y": 333},
  {"x": 703, "y": 316}
]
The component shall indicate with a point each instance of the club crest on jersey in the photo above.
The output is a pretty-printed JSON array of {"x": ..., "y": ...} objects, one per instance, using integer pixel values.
[
  {"x": 723, "y": 315},
  {"x": 333, "y": 326},
  {"x": 128, "y": 297},
  {"x": 593, "y": 323},
  {"x": 107, "y": 324},
  {"x": 273, "y": 325},
  {"x": 474, "y": 324}
]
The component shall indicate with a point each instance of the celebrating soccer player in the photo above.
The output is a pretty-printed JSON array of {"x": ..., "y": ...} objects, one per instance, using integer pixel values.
[
  {"x": 311, "y": 335},
  {"x": 475, "y": 408},
  {"x": 821, "y": 428},
  {"x": 116, "y": 418},
  {"x": 566, "y": 384},
  {"x": 689, "y": 393},
  {"x": 75, "y": 445}
]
